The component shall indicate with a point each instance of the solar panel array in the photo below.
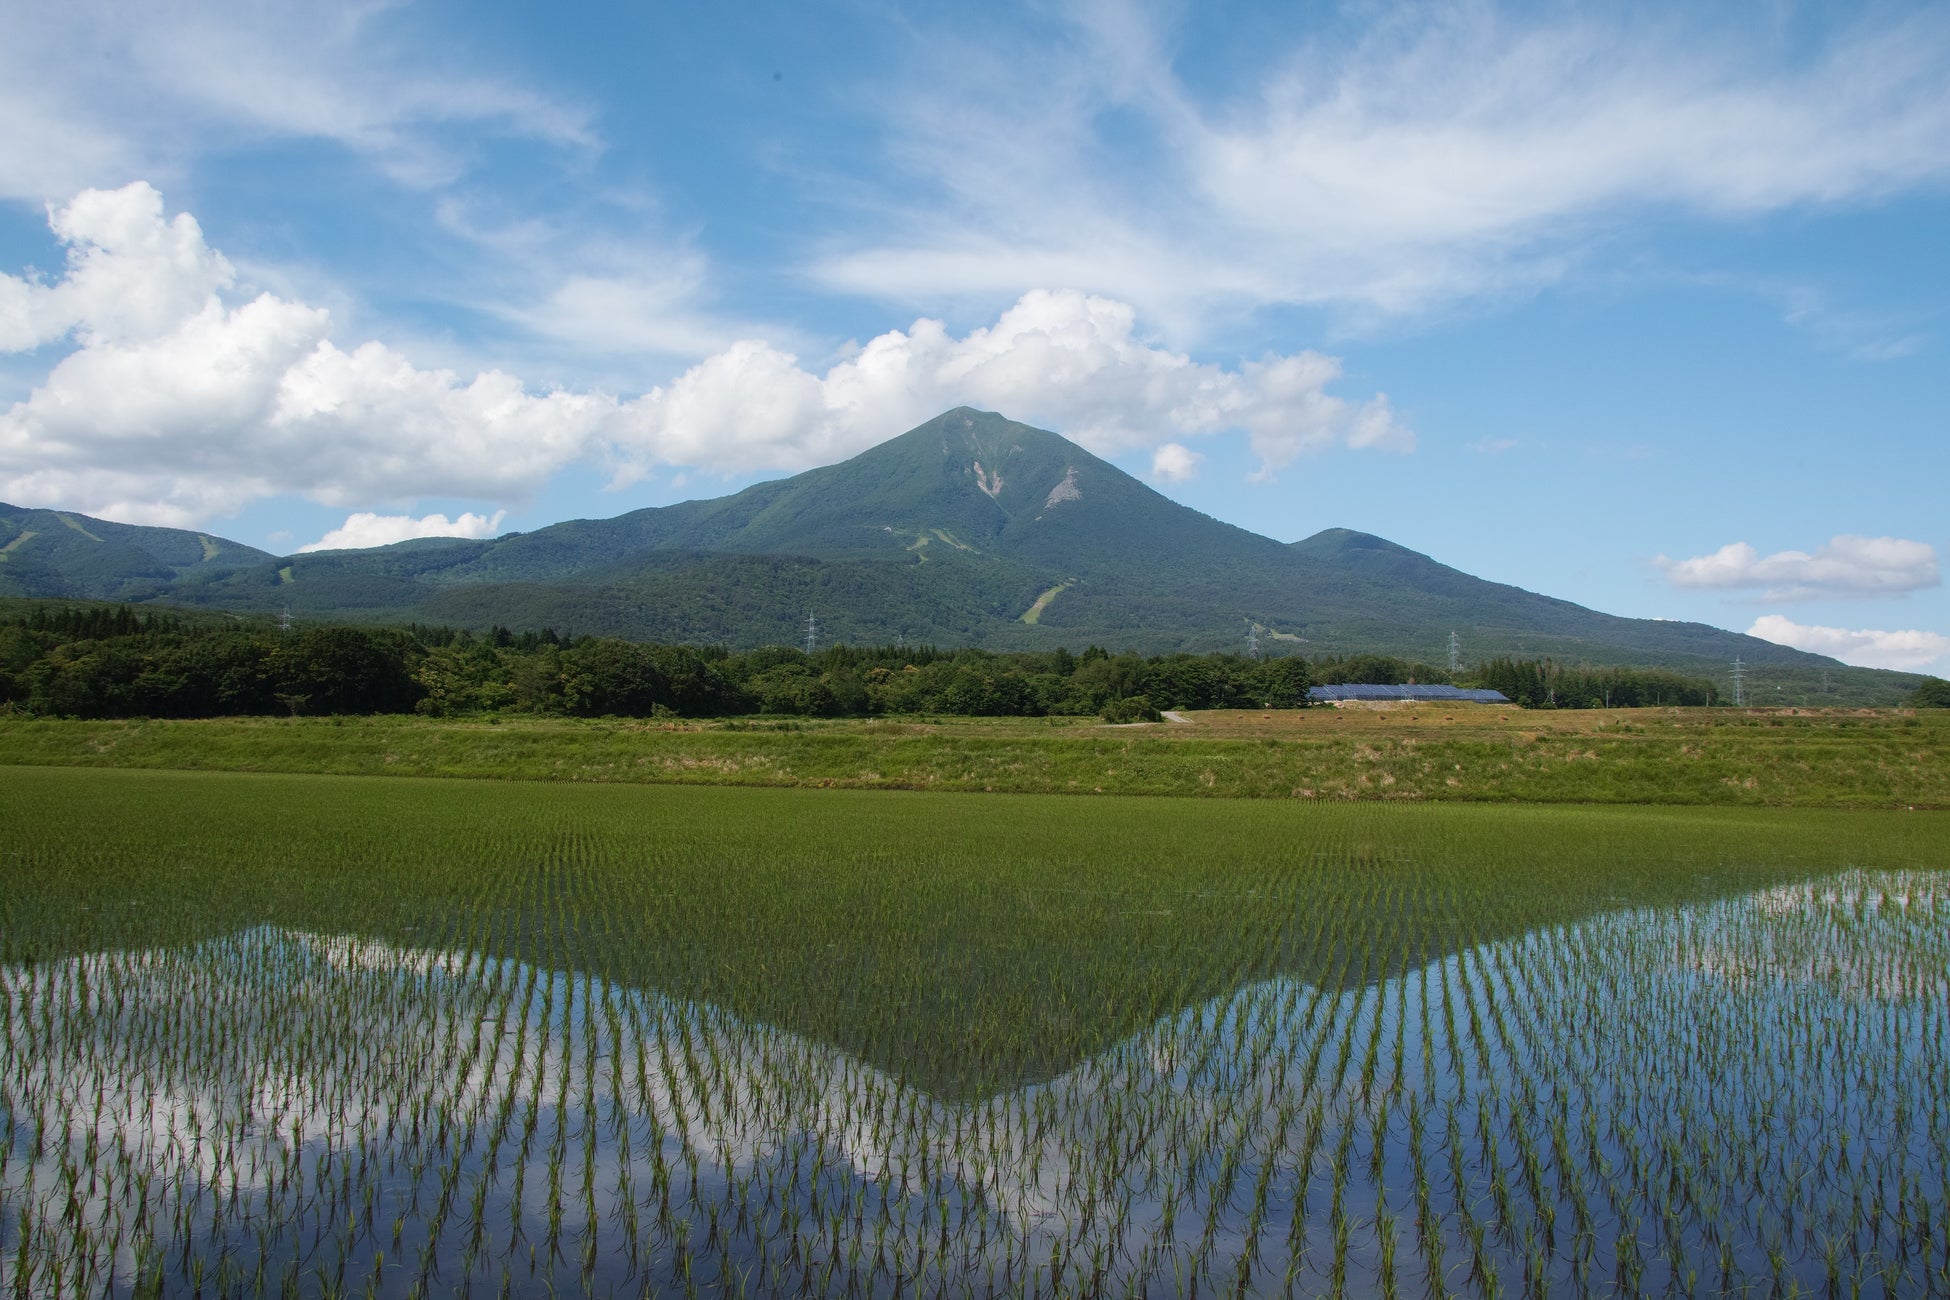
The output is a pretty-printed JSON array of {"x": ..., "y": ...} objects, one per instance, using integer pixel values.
[{"x": 1442, "y": 694}]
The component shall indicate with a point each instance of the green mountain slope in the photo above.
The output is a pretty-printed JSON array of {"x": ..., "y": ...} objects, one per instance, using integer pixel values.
[
  {"x": 971, "y": 529},
  {"x": 57, "y": 553}
]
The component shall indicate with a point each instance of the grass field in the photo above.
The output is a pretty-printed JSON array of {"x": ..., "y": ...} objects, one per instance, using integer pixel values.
[
  {"x": 271, "y": 1032},
  {"x": 1759, "y": 758}
]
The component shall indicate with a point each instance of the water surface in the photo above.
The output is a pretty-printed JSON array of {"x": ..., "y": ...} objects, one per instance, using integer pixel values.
[{"x": 1745, "y": 1094}]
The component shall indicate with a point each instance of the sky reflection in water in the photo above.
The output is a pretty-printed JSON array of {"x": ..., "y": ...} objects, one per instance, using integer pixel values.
[{"x": 1745, "y": 1092}]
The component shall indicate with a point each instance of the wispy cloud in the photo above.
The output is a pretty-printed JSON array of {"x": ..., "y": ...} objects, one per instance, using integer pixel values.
[
  {"x": 145, "y": 88},
  {"x": 1908, "y": 651},
  {"x": 1439, "y": 152},
  {"x": 576, "y": 291},
  {"x": 1843, "y": 566},
  {"x": 1860, "y": 335}
]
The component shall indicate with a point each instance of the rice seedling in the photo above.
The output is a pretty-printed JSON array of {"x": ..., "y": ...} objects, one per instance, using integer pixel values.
[{"x": 334, "y": 1037}]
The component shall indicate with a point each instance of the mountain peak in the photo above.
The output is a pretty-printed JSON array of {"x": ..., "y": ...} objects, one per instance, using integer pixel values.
[
  {"x": 970, "y": 529},
  {"x": 980, "y": 471},
  {"x": 1340, "y": 541},
  {"x": 969, "y": 434}
]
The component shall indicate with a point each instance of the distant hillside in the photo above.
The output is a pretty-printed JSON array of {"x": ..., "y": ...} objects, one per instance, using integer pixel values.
[
  {"x": 969, "y": 530},
  {"x": 56, "y": 553}
]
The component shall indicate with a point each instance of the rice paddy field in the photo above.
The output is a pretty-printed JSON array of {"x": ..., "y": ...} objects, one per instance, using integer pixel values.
[{"x": 315, "y": 1035}]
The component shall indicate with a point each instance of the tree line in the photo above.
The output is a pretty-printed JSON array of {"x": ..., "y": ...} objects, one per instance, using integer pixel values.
[
  {"x": 106, "y": 662},
  {"x": 1534, "y": 683},
  {"x": 1542, "y": 684}
]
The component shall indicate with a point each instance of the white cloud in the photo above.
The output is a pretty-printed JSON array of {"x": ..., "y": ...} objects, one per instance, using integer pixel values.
[
  {"x": 1174, "y": 463},
  {"x": 46, "y": 149},
  {"x": 177, "y": 403},
  {"x": 366, "y": 529},
  {"x": 1063, "y": 359},
  {"x": 1909, "y": 651},
  {"x": 1845, "y": 566},
  {"x": 587, "y": 301},
  {"x": 131, "y": 275},
  {"x": 1493, "y": 446},
  {"x": 1439, "y": 151},
  {"x": 572, "y": 279},
  {"x": 624, "y": 312},
  {"x": 93, "y": 90}
]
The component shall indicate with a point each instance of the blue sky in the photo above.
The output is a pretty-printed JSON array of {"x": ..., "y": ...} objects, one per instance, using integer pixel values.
[{"x": 1644, "y": 309}]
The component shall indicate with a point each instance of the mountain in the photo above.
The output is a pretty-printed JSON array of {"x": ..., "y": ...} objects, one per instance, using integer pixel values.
[
  {"x": 58, "y": 553},
  {"x": 968, "y": 530}
]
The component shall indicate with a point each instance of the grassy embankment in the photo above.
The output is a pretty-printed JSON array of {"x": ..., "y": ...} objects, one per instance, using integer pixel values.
[{"x": 1755, "y": 758}]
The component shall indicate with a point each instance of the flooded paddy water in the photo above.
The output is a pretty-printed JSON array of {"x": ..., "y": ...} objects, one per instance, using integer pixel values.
[{"x": 1336, "y": 1070}]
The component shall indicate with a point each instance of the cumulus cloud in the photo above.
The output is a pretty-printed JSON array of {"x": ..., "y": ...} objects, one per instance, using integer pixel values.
[
  {"x": 180, "y": 400},
  {"x": 1069, "y": 360},
  {"x": 1908, "y": 651},
  {"x": 177, "y": 405},
  {"x": 1845, "y": 566},
  {"x": 1174, "y": 463},
  {"x": 1408, "y": 157},
  {"x": 367, "y": 529},
  {"x": 132, "y": 275}
]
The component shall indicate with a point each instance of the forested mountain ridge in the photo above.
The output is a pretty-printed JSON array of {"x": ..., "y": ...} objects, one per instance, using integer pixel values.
[
  {"x": 970, "y": 529},
  {"x": 59, "y": 553}
]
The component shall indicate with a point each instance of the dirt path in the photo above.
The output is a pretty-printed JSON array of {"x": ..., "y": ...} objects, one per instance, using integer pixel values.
[{"x": 1179, "y": 718}]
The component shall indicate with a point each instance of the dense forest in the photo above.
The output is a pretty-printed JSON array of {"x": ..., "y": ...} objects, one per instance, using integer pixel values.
[
  {"x": 111, "y": 661},
  {"x": 1545, "y": 685}
]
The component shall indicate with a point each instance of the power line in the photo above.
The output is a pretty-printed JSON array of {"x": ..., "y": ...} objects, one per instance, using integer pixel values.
[
  {"x": 1455, "y": 653},
  {"x": 812, "y": 633},
  {"x": 1739, "y": 683}
]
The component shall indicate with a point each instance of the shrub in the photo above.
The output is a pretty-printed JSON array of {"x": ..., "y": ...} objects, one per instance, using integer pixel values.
[{"x": 1133, "y": 708}]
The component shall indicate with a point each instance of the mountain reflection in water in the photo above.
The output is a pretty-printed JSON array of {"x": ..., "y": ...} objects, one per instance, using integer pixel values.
[{"x": 1751, "y": 1092}]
